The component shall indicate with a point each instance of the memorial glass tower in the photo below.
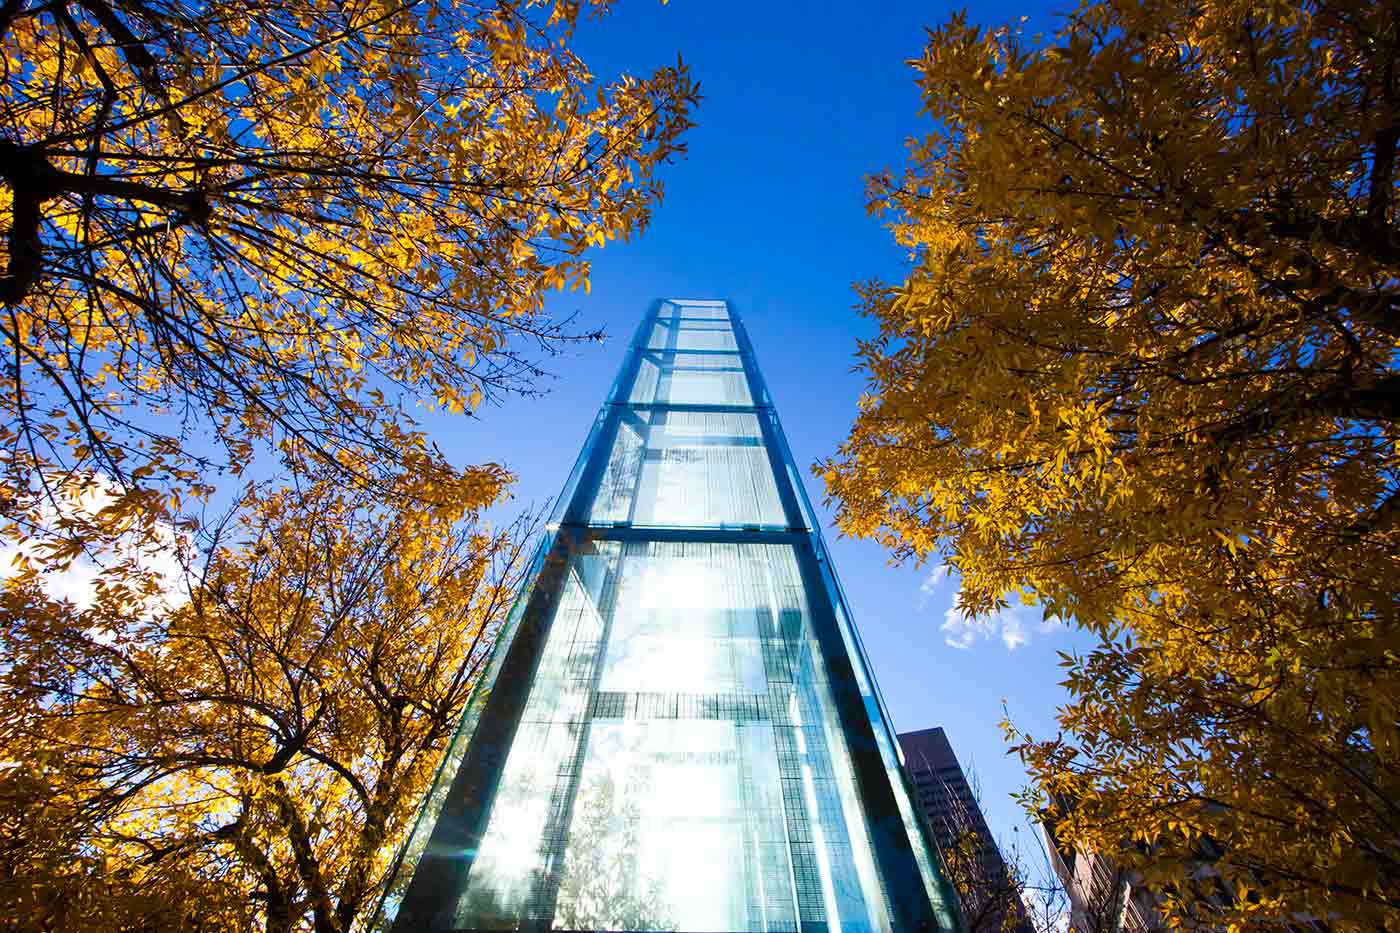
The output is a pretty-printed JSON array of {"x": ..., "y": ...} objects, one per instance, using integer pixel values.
[{"x": 677, "y": 729}]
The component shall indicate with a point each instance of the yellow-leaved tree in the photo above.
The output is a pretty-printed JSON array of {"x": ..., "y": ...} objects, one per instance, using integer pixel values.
[
  {"x": 228, "y": 224},
  {"x": 233, "y": 233},
  {"x": 1145, "y": 372},
  {"x": 246, "y": 751}
]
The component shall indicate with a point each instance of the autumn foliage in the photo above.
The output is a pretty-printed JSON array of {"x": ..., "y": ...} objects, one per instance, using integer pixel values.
[
  {"x": 1144, "y": 373},
  {"x": 239, "y": 239},
  {"x": 231, "y": 224},
  {"x": 246, "y": 754}
]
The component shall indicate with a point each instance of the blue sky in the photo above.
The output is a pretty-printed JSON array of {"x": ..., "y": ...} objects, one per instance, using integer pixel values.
[{"x": 801, "y": 102}]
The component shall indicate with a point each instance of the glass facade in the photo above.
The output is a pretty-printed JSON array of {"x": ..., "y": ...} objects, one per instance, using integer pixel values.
[{"x": 677, "y": 730}]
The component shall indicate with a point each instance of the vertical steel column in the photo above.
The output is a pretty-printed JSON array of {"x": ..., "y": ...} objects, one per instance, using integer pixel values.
[
  {"x": 898, "y": 869},
  {"x": 430, "y": 902}
]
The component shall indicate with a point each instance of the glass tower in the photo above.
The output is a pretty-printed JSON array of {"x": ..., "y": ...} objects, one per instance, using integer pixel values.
[{"x": 678, "y": 729}]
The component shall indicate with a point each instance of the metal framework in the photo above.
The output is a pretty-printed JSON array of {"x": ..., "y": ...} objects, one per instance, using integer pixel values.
[{"x": 678, "y": 729}]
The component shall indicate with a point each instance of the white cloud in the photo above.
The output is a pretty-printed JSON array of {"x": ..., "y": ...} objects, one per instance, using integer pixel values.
[
  {"x": 931, "y": 584},
  {"x": 1013, "y": 629},
  {"x": 77, "y": 583},
  {"x": 964, "y": 631},
  {"x": 1013, "y": 626}
]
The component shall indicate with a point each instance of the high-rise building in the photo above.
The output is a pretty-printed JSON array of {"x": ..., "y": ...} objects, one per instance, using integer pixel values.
[
  {"x": 960, "y": 831},
  {"x": 1104, "y": 896},
  {"x": 678, "y": 729}
]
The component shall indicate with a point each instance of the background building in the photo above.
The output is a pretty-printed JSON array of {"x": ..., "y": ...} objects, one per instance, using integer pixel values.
[
  {"x": 1104, "y": 897},
  {"x": 678, "y": 729},
  {"x": 991, "y": 897}
]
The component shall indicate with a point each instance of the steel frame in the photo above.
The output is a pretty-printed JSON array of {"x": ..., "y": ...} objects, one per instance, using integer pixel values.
[{"x": 429, "y": 899}]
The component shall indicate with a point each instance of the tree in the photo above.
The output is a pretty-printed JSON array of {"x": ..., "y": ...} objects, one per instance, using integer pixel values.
[
  {"x": 1143, "y": 372},
  {"x": 606, "y": 885},
  {"x": 1102, "y": 896},
  {"x": 991, "y": 886},
  {"x": 998, "y": 890},
  {"x": 228, "y": 225},
  {"x": 249, "y": 756}
]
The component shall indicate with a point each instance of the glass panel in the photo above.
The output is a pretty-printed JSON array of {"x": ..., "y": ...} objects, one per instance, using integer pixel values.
[
  {"x": 685, "y": 624},
  {"x": 703, "y": 797},
  {"x": 515, "y": 849},
  {"x": 619, "y": 483},
  {"x": 691, "y": 379},
  {"x": 678, "y": 826},
  {"x": 691, "y": 469},
  {"x": 700, "y": 310},
  {"x": 512, "y": 852},
  {"x": 692, "y": 335}
]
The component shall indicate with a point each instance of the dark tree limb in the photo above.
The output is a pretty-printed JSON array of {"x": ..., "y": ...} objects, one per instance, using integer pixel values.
[
  {"x": 1382, "y": 175},
  {"x": 137, "y": 55}
]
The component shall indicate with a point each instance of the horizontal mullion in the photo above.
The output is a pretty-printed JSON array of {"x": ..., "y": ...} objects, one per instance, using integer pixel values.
[
  {"x": 734, "y": 534},
  {"x": 645, "y": 706},
  {"x": 681, "y": 406},
  {"x": 678, "y": 356},
  {"x": 647, "y": 348},
  {"x": 671, "y": 440},
  {"x": 681, "y": 357}
]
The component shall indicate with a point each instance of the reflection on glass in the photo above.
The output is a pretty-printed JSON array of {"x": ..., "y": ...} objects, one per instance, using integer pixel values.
[
  {"x": 671, "y": 378},
  {"x": 714, "y": 336},
  {"x": 683, "y": 625},
  {"x": 688, "y": 468},
  {"x": 674, "y": 767},
  {"x": 694, "y": 838},
  {"x": 516, "y": 849},
  {"x": 607, "y": 885},
  {"x": 511, "y": 854}
]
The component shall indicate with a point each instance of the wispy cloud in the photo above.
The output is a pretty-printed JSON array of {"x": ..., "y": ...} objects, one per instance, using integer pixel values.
[
  {"x": 1013, "y": 626},
  {"x": 929, "y": 587},
  {"x": 78, "y": 582}
]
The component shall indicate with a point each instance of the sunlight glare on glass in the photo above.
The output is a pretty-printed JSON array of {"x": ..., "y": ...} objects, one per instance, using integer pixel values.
[{"x": 682, "y": 584}]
